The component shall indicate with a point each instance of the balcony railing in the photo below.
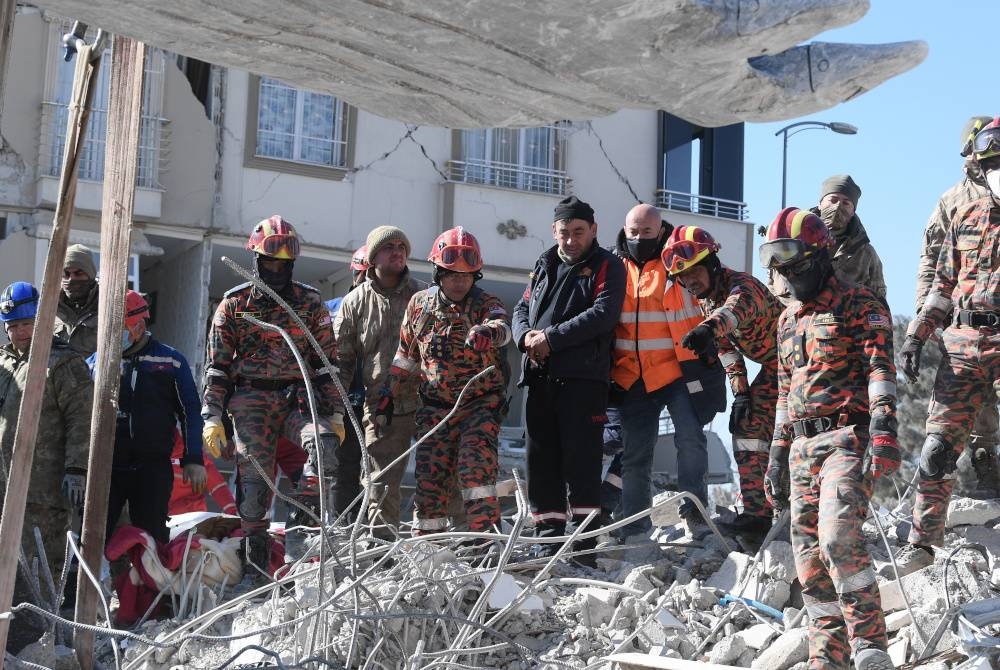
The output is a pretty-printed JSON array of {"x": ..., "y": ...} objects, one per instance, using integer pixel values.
[
  {"x": 701, "y": 204},
  {"x": 510, "y": 175}
]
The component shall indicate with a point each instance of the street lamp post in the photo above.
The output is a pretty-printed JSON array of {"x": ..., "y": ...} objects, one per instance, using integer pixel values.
[{"x": 835, "y": 126}]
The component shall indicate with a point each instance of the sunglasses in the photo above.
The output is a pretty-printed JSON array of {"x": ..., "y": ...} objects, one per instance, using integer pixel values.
[
  {"x": 275, "y": 244},
  {"x": 450, "y": 255}
]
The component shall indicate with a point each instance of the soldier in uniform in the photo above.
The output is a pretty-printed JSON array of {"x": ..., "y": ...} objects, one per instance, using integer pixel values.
[
  {"x": 268, "y": 395},
  {"x": 451, "y": 332},
  {"x": 741, "y": 318},
  {"x": 61, "y": 446},
  {"x": 968, "y": 376},
  {"x": 853, "y": 256},
  {"x": 834, "y": 432},
  {"x": 76, "y": 313},
  {"x": 982, "y": 444}
]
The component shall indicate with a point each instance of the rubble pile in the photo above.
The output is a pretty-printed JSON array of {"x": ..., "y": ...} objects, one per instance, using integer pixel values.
[{"x": 422, "y": 603}]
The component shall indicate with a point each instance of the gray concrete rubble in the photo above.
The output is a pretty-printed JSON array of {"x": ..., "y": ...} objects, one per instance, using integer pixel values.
[
  {"x": 462, "y": 63},
  {"x": 421, "y": 603}
]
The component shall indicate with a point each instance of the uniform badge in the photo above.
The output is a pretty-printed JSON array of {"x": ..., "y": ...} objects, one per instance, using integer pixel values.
[{"x": 879, "y": 321}]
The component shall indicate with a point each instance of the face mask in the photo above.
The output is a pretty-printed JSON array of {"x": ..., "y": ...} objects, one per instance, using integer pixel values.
[
  {"x": 993, "y": 181},
  {"x": 642, "y": 249},
  {"x": 77, "y": 289},
  {"x": 276, "y": 281},
  {"x": 836, "y": 218},
  {"x": 806, "y": 284},
  {"x": 126, "y": 339}
]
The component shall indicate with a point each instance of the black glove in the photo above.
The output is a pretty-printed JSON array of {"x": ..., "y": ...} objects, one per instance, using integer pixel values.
[
  {"x": 740, "y": 413},
  {"x": 701, "y": 340},
  {"x": 383, "y": 413},
  {"x": 776, "y": 485},
  {"x": 909, "y": 355}
]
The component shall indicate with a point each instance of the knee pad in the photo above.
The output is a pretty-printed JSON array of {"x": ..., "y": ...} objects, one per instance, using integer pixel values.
[
  {"x": 254, "y": 498},
  {"x": 937, "y": 458}
]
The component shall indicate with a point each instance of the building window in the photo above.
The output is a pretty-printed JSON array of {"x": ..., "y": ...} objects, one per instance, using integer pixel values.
[
  {"x": 527, "y": 159},
  {"x": 294, "y": 130},
  {"x": 152, "y": 129}
]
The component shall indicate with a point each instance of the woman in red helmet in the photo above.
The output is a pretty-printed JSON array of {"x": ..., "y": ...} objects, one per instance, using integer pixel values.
[{"x": 452, "y": 331}]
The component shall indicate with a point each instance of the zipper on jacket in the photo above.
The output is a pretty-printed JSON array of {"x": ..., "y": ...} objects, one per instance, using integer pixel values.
[{"x": 638, "y": 277}]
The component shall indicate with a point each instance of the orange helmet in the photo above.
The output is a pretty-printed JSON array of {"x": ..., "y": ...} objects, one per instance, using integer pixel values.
[
  {"x": 986, "y": 143},
  {"x": 456, "y": 250},
  {"x": 686, "y": 247},
  {"x": 275, "y": 238},
  {"x": 359, "y": 261},
  {"x": 793, "y": 235},
  {"x": 136, "y": 308}
]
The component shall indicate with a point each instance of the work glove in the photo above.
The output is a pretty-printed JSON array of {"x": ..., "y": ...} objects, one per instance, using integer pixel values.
[
  {"x": 74, "y": 488},
  {"x": 776, "y": 485},
  {"x": 337, "y": 426},
  {"x": 882, "y": 457},
  {"x": 740, "y": 413},
  {"x": 909, "y": 355},
  {"x": 480, "y": 338},
  {"x": 384, "y": 409},
  {"x": 195, "y": 475},
  {"x": 213, "y": 436},
  {"x": 700, "y": 340}
]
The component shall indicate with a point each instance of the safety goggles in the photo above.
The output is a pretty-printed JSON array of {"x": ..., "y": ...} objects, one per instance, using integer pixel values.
[
  {"x": 450, "y": 256},
  {"x": 785, "y": 251},
  {"x": 987, "y": 139},
  {"x": 273, "y": 245},
  {"x": 8, "y": 306},
  {"x": 679, "y": 254}
]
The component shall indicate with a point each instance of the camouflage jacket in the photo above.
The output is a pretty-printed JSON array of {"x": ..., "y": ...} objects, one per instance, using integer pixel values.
[
  {"x": 78, "y": 325},
  {"x": 743, "y": 315},
  {"x": 968, "y": 269},
  {"x": 968, "y": 190},
  {"x": 835, "y": 357},
  {"x": 432, "y": 342},
  {"x": 854, "y": 260},
  {"x": 367, "y": 329},
  {"x": 239, "y": 351},
  {"x": 64, "y": 421}
]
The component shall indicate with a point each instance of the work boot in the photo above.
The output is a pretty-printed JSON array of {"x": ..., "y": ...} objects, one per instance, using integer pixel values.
[
  {"x": 751, "y": 523},
  {"x": 695, "y": 527},
  {"x": 585, "y": 560},
  {"x": 911, "y": 558},
  {"x": 987, "y": 467},
  {"x": 256, "y": 558},
  {"x": 873, "y": 659},
  {"x": 547, "y": 549},
  {"x": 295, "y": 535}
]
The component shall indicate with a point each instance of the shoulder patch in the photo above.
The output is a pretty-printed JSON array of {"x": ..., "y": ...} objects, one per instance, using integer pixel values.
[
  {"x": 236, "y": 289},
  {"x": 307, "y": 287},
  {"x": 219, "y": 319},
  {"x": 880, "y": 321}
]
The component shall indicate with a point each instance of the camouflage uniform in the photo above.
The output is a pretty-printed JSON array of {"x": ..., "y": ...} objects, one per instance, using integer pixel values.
[
  {"x": 78, "y": 324},
  {"x": 969, "y": 378},
  {"x": 854, "y": 260},
  {"x": 432, "y": 341},
  {"x": 968, "y": 190},
  {"x": 835, "y": 366},
  {"x": 367, "y": 330},
  {"x": 269, "y": 399},
  {"x": 743, "y": 315}
]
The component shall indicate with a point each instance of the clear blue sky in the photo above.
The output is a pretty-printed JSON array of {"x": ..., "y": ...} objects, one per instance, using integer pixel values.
[{"x": 906, "y": 151}]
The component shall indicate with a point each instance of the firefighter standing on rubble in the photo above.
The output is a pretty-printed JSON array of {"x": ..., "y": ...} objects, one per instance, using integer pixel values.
[
  {"x": 452, "y": 331},
  {"x": 269, "y": 398},
  {"x": 835, "y": 431},
  {"x": 969, "y": 377},
  {"x": 741, "y": 318}
]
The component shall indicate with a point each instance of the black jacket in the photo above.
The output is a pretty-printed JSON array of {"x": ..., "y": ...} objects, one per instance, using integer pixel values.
[{"x": 584, "y": 315}]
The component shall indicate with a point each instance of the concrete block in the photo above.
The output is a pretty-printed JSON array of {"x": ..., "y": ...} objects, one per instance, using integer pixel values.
[
  {"x": 969, "y": 512},
  {"x": 638, "y": 579},
  {"x": 598, "y": 605},
  {"x": 897, "y": 620},
  {"x": 790, "y": 648},
  {"x": 729, "y": 573},
  {"x": 668, "y": 620},
  {"x": 779, "y": 561},
  {"x": 727, "y": 650},
  {"x": 899, "y": 650},
  {"x": 506, "y": 590},
  {"x": 757, "y": 636},
  {"x": 776, "y": 594}
]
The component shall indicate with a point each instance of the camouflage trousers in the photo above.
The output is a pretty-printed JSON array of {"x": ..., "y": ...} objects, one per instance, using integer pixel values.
[
  {"x": 967, "y": 382},
  {"x": 260, "y": 418},
  {"x": 752, "y": 441},
  {"x": 828, "y": 505},
  {"x": 466, "y": 447}
]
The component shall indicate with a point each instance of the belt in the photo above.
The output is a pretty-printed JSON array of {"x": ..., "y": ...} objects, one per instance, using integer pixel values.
[
  {"x": 814, "y": 425},
  {"x": 269, "y": 384},
  {"x": 967, "y": 317}
]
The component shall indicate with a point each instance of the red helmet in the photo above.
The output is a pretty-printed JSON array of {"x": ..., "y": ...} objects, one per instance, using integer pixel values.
[
  {"x": 456, "y": 250},
  {"x": 986, "y": 144},
  {"x": 686, "y": 247},
  {"x": 793, "y": 235},
  {"x": 275, "y": 238},
  {"x": 136, "y": 308},
  {"x": 359, "y": 261}
]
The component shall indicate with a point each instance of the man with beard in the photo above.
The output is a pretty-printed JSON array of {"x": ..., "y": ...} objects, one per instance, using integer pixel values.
[
  {"x": 834, "y": 433},
  {"x": 741, "y": 318},
  {"x": 76, "y": 314},
  {"x": 853, "y": 256},
  {"x": 268, "y": 394}
]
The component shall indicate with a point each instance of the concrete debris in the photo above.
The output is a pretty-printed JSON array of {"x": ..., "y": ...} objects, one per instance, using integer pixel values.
[
  {"x": 779, "y": 562},
  {"x": 790, "y": 648},
  {"x": 969, "y": 512}
]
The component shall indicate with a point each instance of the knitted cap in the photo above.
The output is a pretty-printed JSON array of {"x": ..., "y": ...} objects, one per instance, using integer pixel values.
[
  {"x": 79, "y": 256},
  {"x": 841, "y": 183},
  {"x": 381, "y": 236},
  {"x": 573, "y": 208}
]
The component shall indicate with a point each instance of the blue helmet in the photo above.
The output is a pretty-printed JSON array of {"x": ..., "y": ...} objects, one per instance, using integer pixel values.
[{"x": 19, "y": 301}]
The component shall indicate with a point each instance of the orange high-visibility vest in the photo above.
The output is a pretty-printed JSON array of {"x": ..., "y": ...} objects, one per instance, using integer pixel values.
[{"x": 656, "y": 316}]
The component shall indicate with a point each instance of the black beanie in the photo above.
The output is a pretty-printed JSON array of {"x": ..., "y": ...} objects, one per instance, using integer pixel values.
[{"x": 574, "y": 208}]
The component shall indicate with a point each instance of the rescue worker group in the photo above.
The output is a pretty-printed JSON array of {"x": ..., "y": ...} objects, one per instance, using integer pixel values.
[{"x": 657, "y": 321}]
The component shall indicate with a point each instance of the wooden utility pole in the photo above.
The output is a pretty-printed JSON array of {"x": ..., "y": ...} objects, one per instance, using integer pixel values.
[
  {"x": 121, "y": 157},
  {"x": 7, "y": 8},
  {"x": 12, "y": 521}
]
